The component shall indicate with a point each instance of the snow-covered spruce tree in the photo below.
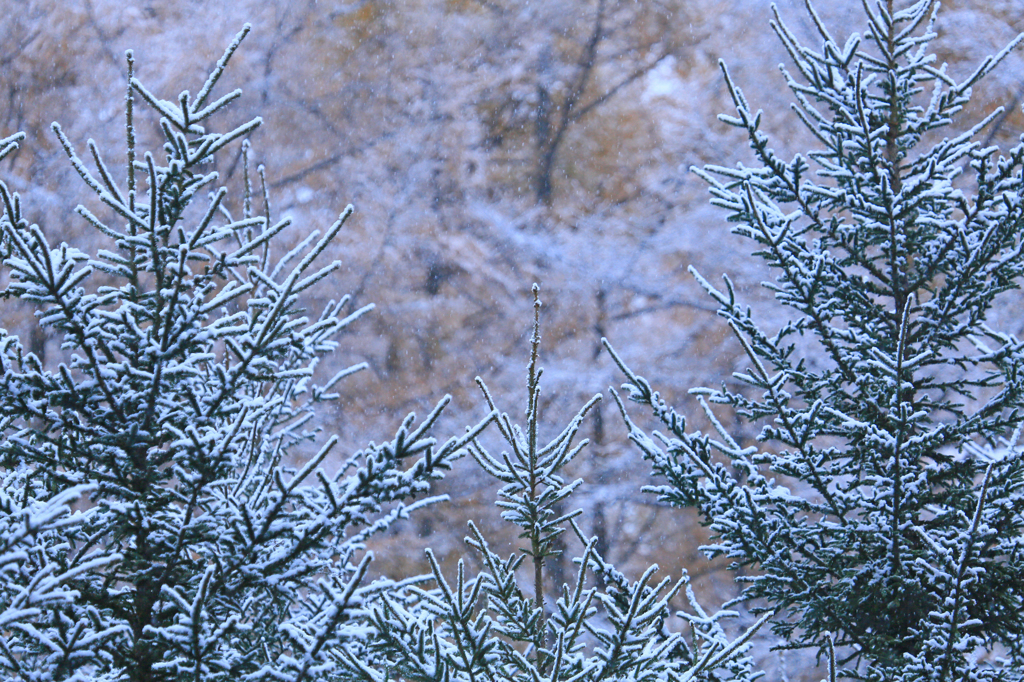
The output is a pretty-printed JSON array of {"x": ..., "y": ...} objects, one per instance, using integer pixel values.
[
  {"x": 500, "y": 625},
  {"x": 187, "y": 385},
  {"x": 885, "y": 503}
]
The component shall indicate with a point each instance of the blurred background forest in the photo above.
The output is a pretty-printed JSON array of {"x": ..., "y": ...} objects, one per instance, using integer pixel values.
[{"x": 486, "y": 145}]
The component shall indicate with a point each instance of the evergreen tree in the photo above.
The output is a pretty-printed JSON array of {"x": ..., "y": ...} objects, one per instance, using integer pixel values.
[
  {"x": 885, "y": 501},
  {"x": 186, "y": 389},
  {"x": 499, "y": 625}
]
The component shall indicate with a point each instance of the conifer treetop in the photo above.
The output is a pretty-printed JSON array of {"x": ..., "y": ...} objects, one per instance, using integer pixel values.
[
  {"x": 508, "y": 622},
  {"x": 883, "y": 500},
  {"x": 186, "y": 390}
]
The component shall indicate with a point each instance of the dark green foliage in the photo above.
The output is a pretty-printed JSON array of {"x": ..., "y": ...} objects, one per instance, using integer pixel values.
[
  {"x": 885, "y": 502},
  {"x": 188, "y": 388}
]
